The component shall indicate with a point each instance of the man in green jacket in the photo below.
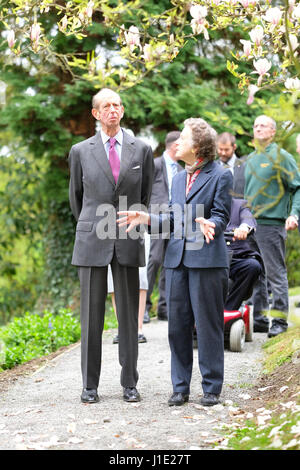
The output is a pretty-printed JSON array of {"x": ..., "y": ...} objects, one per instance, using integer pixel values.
[{"x": 272, "y": 187}]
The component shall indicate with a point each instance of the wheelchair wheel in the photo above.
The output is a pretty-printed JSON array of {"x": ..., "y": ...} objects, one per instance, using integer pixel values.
[
  {"x": 237, "y": 336},
  {"x": 249, "y": 335}
]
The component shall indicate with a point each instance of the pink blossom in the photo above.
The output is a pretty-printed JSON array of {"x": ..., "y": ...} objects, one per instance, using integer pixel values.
[
  {"x": 89, "y": 9},
  {"x": 247, "y": 47},
  {"x": 252, "y": 90},
  {"x": 257, "y": 34},
  {"x": 132, "y": 37},
  {"x": 198, "y": 12},
  {"x": 273, "y": 15},
  {"x": 11, "y": 38},
  {"x": 262, "y": 66},
  {"x": 147, "y": 52},
  {"x": 35, "y": 32},
  {"x": 198, "y": 23},
  {"x": 294, "y": 41},
  {"x": 247, "y": 3}
]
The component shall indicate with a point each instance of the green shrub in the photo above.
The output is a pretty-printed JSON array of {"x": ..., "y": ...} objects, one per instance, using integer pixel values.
[{"x": 35, "y": 335}]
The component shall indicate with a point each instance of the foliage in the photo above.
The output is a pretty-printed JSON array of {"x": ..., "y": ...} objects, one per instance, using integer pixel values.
[
  {"x": 36, "y": 335},
  {"x": 281, "y": 348},
  {"x": 280, "y": 434},
  {"x": 292, "y": 258},
  {"x": 282, "y": 431}
]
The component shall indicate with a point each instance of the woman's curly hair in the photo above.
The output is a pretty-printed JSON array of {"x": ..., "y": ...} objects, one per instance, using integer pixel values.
[{"x": 204, "y": 138}]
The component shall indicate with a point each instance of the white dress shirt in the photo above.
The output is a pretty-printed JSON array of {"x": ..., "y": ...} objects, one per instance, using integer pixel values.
[
  {"x": 169, "y": 163},
  {"x": 118, "y": 145}
]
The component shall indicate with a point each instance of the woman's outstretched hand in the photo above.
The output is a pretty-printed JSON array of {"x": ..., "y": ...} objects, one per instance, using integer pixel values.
[
  {"x": 207, "y": 228},
  {"x": 132, "y": 219}
]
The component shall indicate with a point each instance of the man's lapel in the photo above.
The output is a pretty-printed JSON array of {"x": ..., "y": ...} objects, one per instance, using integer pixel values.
[
  {"x": 128, "y": 148},
  {"x": 98, "y": 151}
]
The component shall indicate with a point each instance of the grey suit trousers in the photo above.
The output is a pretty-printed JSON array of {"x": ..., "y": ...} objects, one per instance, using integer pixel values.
[{"x": 93, "y": 285}]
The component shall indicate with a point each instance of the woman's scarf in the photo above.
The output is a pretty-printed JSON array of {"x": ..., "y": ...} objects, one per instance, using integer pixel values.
[{"x": 193, "y": 171}]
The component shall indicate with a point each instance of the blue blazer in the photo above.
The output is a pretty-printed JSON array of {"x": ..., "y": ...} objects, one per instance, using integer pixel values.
[{"x": 209, "y": 197}]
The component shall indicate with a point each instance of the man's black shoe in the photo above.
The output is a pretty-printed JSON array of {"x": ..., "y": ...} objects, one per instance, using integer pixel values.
[
  {"x": 276, "y": 329},
  {"x": 146, "y": 317},
  {"x": 261, "y": 327},
  {"x": 89, "y": 395},
  {"x": 209, "y": 399},
  {"x": 131, "y": 394},
  {"x": 178, "y": 399}
]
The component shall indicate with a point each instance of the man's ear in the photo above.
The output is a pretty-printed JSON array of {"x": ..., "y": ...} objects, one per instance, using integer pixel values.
[{"x": 95, "y": 113}]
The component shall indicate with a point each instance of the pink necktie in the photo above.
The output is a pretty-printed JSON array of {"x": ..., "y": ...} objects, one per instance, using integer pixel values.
[{"x": 114, "y": 160}]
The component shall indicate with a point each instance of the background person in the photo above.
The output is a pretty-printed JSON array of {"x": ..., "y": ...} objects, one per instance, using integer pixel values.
[
  {"x": 272, "y": 187},
  {"x": 165, "y": 168},
  {"x": 110, "y": 165},
  {"x": 226, "y": 147},
  {"x": 245, "y": 260}
]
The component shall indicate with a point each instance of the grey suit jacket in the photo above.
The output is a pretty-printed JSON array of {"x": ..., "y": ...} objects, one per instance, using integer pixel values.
[{"x": 95, "y": 199}]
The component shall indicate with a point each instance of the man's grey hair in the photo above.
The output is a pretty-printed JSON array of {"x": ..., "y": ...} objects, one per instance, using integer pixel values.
[
  {"x": 96, "y": 100},
  {"x": 272, "y": 121}
]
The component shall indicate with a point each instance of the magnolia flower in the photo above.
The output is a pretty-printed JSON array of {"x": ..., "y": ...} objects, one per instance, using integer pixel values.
[
  {"x": 293, "y": 41},
  {"x": 273, "y": 15},
  {"x": 199, "y": 27},
  {"x": 262, "y": 66},
  {"x": 247, "y": 3},
  {"x": 147, "y": 52},
  {"x": 252, "y": 90},
  {"x": 257, "y": 34},
  {"x": 292, "y": 84},
  {"x": 64, "y": 22},
  {"x": 198, "y": 12},
  {"x": 247, "y": 47},
  {"x": 35, "y": 32},
  {"x": 198, "y": 23},
  {"x": 11, "y": 38},
  {"x": 132, "y": 37},
  {"x": 296, "y": 12},
  {"x": 89, "y": 9}
]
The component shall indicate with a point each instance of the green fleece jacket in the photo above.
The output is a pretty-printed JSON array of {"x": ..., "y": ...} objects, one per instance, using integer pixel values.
[{"x": 272, "y": 185}]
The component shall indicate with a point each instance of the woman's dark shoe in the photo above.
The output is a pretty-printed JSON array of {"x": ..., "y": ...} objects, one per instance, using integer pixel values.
[
  {"x": 178, "y": 399},
  {"x": 209, "y": 399}
]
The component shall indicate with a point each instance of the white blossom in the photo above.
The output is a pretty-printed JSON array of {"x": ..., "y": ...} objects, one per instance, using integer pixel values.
[
  {"x": 35, "y": 31},
  {"x": 257, "y": 34},
  {"x": 273, "y": 15},
  {"x": 292, "y": 84},
  {"x": 11, "y": 38},
  {"x": 132, "y": 37},
  {"x": 247, "y": 45}
]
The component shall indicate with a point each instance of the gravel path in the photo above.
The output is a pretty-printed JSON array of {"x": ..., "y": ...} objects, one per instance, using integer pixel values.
[{"x": 43, "y": 410}]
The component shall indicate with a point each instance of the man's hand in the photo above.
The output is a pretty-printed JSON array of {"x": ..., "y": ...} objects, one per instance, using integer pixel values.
[
  {"x": 240, "y": 233},
  {"x": 133, "y": 218},
  {"x": 207, "y": 228},
  {"x": 291, "y": 223}
]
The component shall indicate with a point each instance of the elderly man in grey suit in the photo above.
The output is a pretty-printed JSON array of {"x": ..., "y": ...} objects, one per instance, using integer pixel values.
[{"x": 107, "y": 171}]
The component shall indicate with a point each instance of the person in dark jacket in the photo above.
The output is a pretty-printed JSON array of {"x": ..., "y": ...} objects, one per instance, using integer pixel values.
[{"x": 196, "y": 261}]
